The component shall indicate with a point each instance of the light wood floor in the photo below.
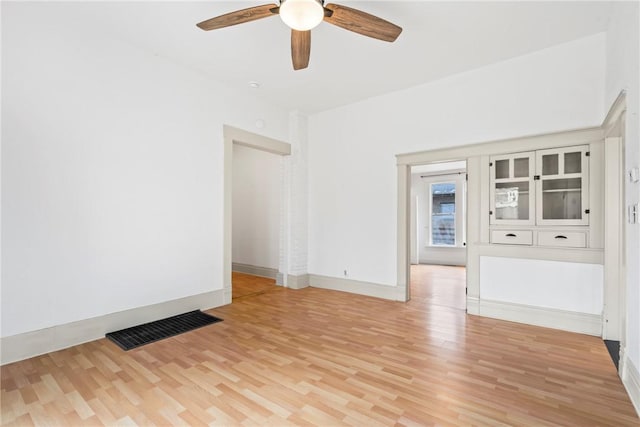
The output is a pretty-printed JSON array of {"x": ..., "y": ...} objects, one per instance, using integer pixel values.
[
  {"x": 439, "y": 285},
  {"x": 317, "y": 357},
  {"x": 244, "y": 285}
]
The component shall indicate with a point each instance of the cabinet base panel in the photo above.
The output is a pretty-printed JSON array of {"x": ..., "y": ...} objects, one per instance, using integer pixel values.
[{"x": 583, "y": 323}]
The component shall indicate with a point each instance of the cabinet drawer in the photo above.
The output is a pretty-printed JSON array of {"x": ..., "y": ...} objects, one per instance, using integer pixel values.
[
  {"x": 512, "y": 237},
  {"x": 565, "y": 239}
]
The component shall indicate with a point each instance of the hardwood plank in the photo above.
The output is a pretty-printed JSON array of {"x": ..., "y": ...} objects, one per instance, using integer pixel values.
[
  {"x": 320, "y": 357},
  {"x": 244, "y": 285},
  {"x": 439, "y": 285}
]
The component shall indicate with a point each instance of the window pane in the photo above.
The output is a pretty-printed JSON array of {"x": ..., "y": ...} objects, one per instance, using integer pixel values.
[
  {"x": 443, "y": 214},
  {"x": 521, "y": 167},
  {"x": 562, "y": 198},
  {"x": 572, "y": 162},
  {"x": 512, "y": 200},
  {"x": 443, "y": 197},
  {"x": 550, "y": 164},
  {"x": 502, "y": 169},
  {"x": 562, "y": 184},
  {"x": 443, "y": 230}
]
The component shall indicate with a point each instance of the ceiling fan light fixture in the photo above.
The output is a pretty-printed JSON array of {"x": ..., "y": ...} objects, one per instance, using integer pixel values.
[{"x": 301, "y": 15}]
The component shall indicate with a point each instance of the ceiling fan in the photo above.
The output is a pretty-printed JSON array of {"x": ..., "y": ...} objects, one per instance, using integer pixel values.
[{"x": 303, "y": 15}]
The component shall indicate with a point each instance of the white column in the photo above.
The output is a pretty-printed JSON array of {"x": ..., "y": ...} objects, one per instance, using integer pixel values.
[{"x": 295, "y": 217}]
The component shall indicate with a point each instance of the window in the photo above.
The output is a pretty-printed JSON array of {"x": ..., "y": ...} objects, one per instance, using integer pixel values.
[{"x": 443, "y": 214}]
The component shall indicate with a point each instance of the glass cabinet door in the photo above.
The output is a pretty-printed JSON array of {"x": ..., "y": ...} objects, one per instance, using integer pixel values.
[
  {"x": 562, "y": 191},
  {"x": 512, "y": 189}
]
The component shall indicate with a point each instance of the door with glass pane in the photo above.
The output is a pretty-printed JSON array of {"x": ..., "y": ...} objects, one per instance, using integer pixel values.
[
  {"x": 512, "y": 189},
  {"x": 562, "y": 190},
  {"x": 443, "y": 214}
]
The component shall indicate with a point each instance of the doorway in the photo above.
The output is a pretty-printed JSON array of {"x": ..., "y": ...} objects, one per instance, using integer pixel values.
[
  {"x": 256, "y": 213},
  {"x": 232, "y": 137},
  {"x": 437, "y": 274}
]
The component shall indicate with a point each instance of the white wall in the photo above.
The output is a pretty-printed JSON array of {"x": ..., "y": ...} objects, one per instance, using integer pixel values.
[
  {"x": 622, "y": 73},
  {"x": 567, "y": 286},
  {"x": 352, "y": 172},
  {"x": 112, "y": 166},
  {"x": 256, "y": 207}
]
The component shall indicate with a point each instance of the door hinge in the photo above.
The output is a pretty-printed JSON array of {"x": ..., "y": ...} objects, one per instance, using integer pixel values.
[
  {"x": 536, "y": 177},
  {"x": 587, "y": 211},
  {"x": 490, "y": 164},
  {"x": 490, "y": 212},
  {"x": 466, "y": 177},
  {"x": 466, "y": 291},
  {"x": 588, "y": 153}
]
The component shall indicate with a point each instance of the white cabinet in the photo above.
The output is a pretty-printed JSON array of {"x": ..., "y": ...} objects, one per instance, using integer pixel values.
[
  {"x": 512, "y": 189},
  {"x": 512, "y": 237},
  {"x": 540, "y": 197},
  {"x": 562, "y": 192},
  {"x": 563, "y": 239}
]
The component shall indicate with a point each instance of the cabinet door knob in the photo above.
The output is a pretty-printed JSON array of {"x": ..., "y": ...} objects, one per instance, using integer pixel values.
[
  {"x": 561, "y": 237},
  {"x": 510, "y": 235}
]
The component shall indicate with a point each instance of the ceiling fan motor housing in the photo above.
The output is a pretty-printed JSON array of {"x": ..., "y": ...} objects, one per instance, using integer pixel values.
[{"x": 301, "y": 15}]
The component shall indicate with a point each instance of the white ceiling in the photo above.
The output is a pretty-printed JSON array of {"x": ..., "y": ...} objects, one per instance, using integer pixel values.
[{"x": 439, "y": 39}]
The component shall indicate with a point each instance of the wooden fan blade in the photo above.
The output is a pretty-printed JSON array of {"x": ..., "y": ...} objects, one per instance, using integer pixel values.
[
  {"x": 300, "y": 49},
  {"x": 239, "y": 17},
  {"x": 361, "y": 23}
]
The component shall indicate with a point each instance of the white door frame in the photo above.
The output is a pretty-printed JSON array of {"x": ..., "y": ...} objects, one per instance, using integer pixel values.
[
  {"x": 404, "y": 216},
  {"x": 615, "y": 295},
  {"x": 460, "y": 217},
  {"x": 232, "y": 136}
]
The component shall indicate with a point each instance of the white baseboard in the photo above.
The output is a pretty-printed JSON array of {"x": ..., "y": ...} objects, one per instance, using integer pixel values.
[
  {"x": 631, "y": 380},
  {"x": 473, "y": 305},
  {"x": 439, "y": 261},
  {"x": 444, "y": 256},
  {"x": 583, "y": 323},
  {"x": 353, "y": 286},
  {"x": 271, "y": 273},
  {"x": 35, "y": 343},
  {"x": 298, "y": 282}
]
